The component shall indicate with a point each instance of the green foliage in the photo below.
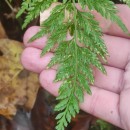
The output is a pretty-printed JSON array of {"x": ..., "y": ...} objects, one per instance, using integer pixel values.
[
  {"x": 76, "y": 60},
  {"x": 126, "y": 1},
  {"x": 33, "y": 8},
  {"x": 102, "y": 125}
]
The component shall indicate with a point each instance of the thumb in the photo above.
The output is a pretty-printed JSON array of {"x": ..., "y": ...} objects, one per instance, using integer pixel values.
[{"x": 44, "y": 15}]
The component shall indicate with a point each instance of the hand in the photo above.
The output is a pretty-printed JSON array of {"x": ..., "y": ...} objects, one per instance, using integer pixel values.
[{"x": 110, "y": 94}]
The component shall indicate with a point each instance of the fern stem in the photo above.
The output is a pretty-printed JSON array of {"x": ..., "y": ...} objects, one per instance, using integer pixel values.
[
  {"x": 75, "y": 40},
  {"x": 10, "y": 6}
]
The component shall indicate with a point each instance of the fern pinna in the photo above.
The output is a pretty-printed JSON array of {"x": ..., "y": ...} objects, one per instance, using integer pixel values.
[{"x": 76, "y": 56}]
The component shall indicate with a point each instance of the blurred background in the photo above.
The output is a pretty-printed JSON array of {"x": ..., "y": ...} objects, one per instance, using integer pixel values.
[{"x": 24, "y": 105}]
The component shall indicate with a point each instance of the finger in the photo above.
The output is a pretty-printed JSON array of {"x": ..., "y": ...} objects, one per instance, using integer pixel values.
[
  {"x": 32, "y": 61},
  {"x": 118, "y": 49},
  {"x": 39, "y": 43},
  {"x": 44, "y": 15},
  {"x": 94, "y": 104},
  {"x": 112, "y": 81}
]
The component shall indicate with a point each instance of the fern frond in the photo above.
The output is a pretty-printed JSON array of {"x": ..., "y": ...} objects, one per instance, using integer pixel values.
[
  {"x": 75, "y": 61},
  {"x": 33, "y": 8}
]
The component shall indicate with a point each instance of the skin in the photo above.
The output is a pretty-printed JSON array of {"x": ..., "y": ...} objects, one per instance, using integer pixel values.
[{"x": 110, "y": 93}]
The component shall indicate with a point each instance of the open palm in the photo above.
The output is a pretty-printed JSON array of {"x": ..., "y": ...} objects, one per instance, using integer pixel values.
[{"x": 110, "y": 93}]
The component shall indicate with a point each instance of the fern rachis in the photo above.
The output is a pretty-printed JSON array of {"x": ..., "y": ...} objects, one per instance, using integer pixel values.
[{"x": 75, "y": 62}]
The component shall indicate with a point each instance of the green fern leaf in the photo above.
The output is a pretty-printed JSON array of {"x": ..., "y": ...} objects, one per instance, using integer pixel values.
[
  {"x": 33, "y": 8},
  {"x": 24, "y": 7},
  {"x": 77, "y": 56},
  {"x": 108, "y": 10}
]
